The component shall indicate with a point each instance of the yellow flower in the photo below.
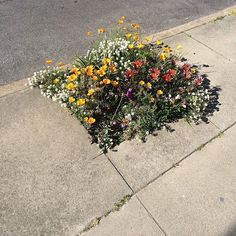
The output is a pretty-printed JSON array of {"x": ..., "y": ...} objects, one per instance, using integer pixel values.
[
  {"x": 81, "y": 102},
  {"x": 91, "y": 120},
  {"x": 71, "y": 99},
  {"x": 60, "y": 64},
  {"x": 149, "y": 85},
  {"x": 122, "y": 18},
  {"x": 89, "y": 33},
  {"x": 128, "y": 35},
  {"x": 48, "y": 62},
  {"x": 163, "y": 56},
  {"x": 83, "y": 70},
  {"x": 159, "y": 92},
  {"x": 130, "y": 46},
  {"x": 120, "y": 22},
  {"x": 141, "y": 82},
  {"x": 114, "y": 83},
  {"x": 136, "y": 37},
  {"x": 102, "y": 70},
  {"x": 89, "y": 70},
  {"x": 135, "y": 26},
  {"x": 140, "y": 45},
  {"x": 56, "y": 81},
  {"x": 147, "y": 39},
  {"x": 106, "y": 61},
  {"x": 106, "y": 81},
  {"x": 101, "y": 30},
  {"x": 72, "y": 77},
  {"x": 90, "y": 92},
  {"x": 167, "y": 49},
  {"x": 75, "y": 70},
  {"x": 70, "y": 86},
  {"x": 85, "y": 119},
  {"x": 112, "y": 68},
  {"x": 158, "y": 42}
]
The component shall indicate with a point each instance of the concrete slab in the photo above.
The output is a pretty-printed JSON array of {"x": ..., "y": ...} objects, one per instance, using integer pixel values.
[
  {"x": 50, "y": 183},
  {"x": 140, "y": 163},
  {"x": 220, "y": 36},
  {"x": 198, "y": 197},
  {"x": 131, "y": 219},
  {"x": 221, "y": 73}
]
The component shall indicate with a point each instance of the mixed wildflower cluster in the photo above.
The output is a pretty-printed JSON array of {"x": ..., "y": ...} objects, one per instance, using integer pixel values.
[{"x": 125, "y": 87}]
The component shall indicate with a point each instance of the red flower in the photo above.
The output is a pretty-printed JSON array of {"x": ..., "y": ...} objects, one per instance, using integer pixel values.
[
  {"x": 130, "y": 73},
  {"x": 137, "y": 64},
  {"x": 186, "y": 71},
  {"x": 167, "y": 77},
  {"x": 197, "y": 81},
  {"x": 154, "y": 73},
  {"x": 171, "y": 72}
]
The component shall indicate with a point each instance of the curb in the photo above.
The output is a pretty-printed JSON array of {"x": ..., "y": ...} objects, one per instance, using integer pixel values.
[{"x": 20, "y": 84}]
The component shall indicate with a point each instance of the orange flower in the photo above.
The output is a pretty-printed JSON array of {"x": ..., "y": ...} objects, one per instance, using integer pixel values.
[
  {"x": 89, "y": 70},
  {"x": 135, "y": 26},
  {"x": 90, "y": 92},
  {"x": 106, "y": 81},
  {"x": 101, "y": 30},
  {"x": 48, "y": 62},
  {"x": 85, "y": 119},
  {"x": 112, "y": 68},
  {"x": 89, "y": 33},
  {"x": 91, "y": 120},
  {"x": 75, "y": 70},
  {"x": 114, "y": 83},
  {"x": 163, "y": 56}
]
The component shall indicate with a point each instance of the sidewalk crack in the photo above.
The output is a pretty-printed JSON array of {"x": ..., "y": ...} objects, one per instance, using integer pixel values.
[
  {"x": 190, "y": 36},
  {"x": 150, "y": 215}
]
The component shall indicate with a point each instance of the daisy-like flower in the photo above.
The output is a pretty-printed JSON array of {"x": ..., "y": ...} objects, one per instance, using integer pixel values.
[
  {"x": 71, "y": 99},
  {"x": 101, "y": 30},
  {"x": 70, "y": 86},
  {"x": 48, "y": 62},
  {"x": 159, "y": 92},
  {"x": 91, "y": 120}
]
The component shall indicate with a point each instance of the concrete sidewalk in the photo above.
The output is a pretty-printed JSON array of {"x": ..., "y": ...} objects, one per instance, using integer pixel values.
[{"x": 53, "y": 182}]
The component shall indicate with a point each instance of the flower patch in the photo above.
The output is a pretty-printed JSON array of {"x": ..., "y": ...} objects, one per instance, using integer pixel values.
[{"x": 125, "y": 87}]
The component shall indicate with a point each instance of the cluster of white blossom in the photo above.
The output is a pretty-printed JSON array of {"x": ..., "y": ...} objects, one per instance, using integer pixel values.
[{"x": 116, "y": 49}]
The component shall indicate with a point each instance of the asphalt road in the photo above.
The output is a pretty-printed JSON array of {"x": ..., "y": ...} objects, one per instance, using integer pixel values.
[{"x": 32, "y": 30}]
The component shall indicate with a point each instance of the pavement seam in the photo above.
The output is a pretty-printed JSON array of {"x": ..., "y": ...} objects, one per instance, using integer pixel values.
[
  {"x": 218, "y": 53},
  {"x": 117, "y": 170},
  {"x": 185, "y": 157},
  {"x": 150, "y": 215}
]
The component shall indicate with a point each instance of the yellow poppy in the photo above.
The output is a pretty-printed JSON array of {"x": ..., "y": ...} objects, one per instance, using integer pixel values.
[
  {"x": 72, "y": 77},
  {"x": 141, "y": 82},
  {"x": 140, "y": 45},
  {"x": 128, "y": 35},
  {"x": 163, "y": 56},
  {"x": 70, "y": 86},
  {"x": 106, "y": 61},
  {"x": 158, "y": 42},
  {"x": 159, "y": 92},
  {"x": 81, "y": 102},
  {"x": 130, "y": 46},
  {"x": 71, "y": 99},
  {"x": 90, "y": 92},
  {"x": 149, "y": 85}
]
